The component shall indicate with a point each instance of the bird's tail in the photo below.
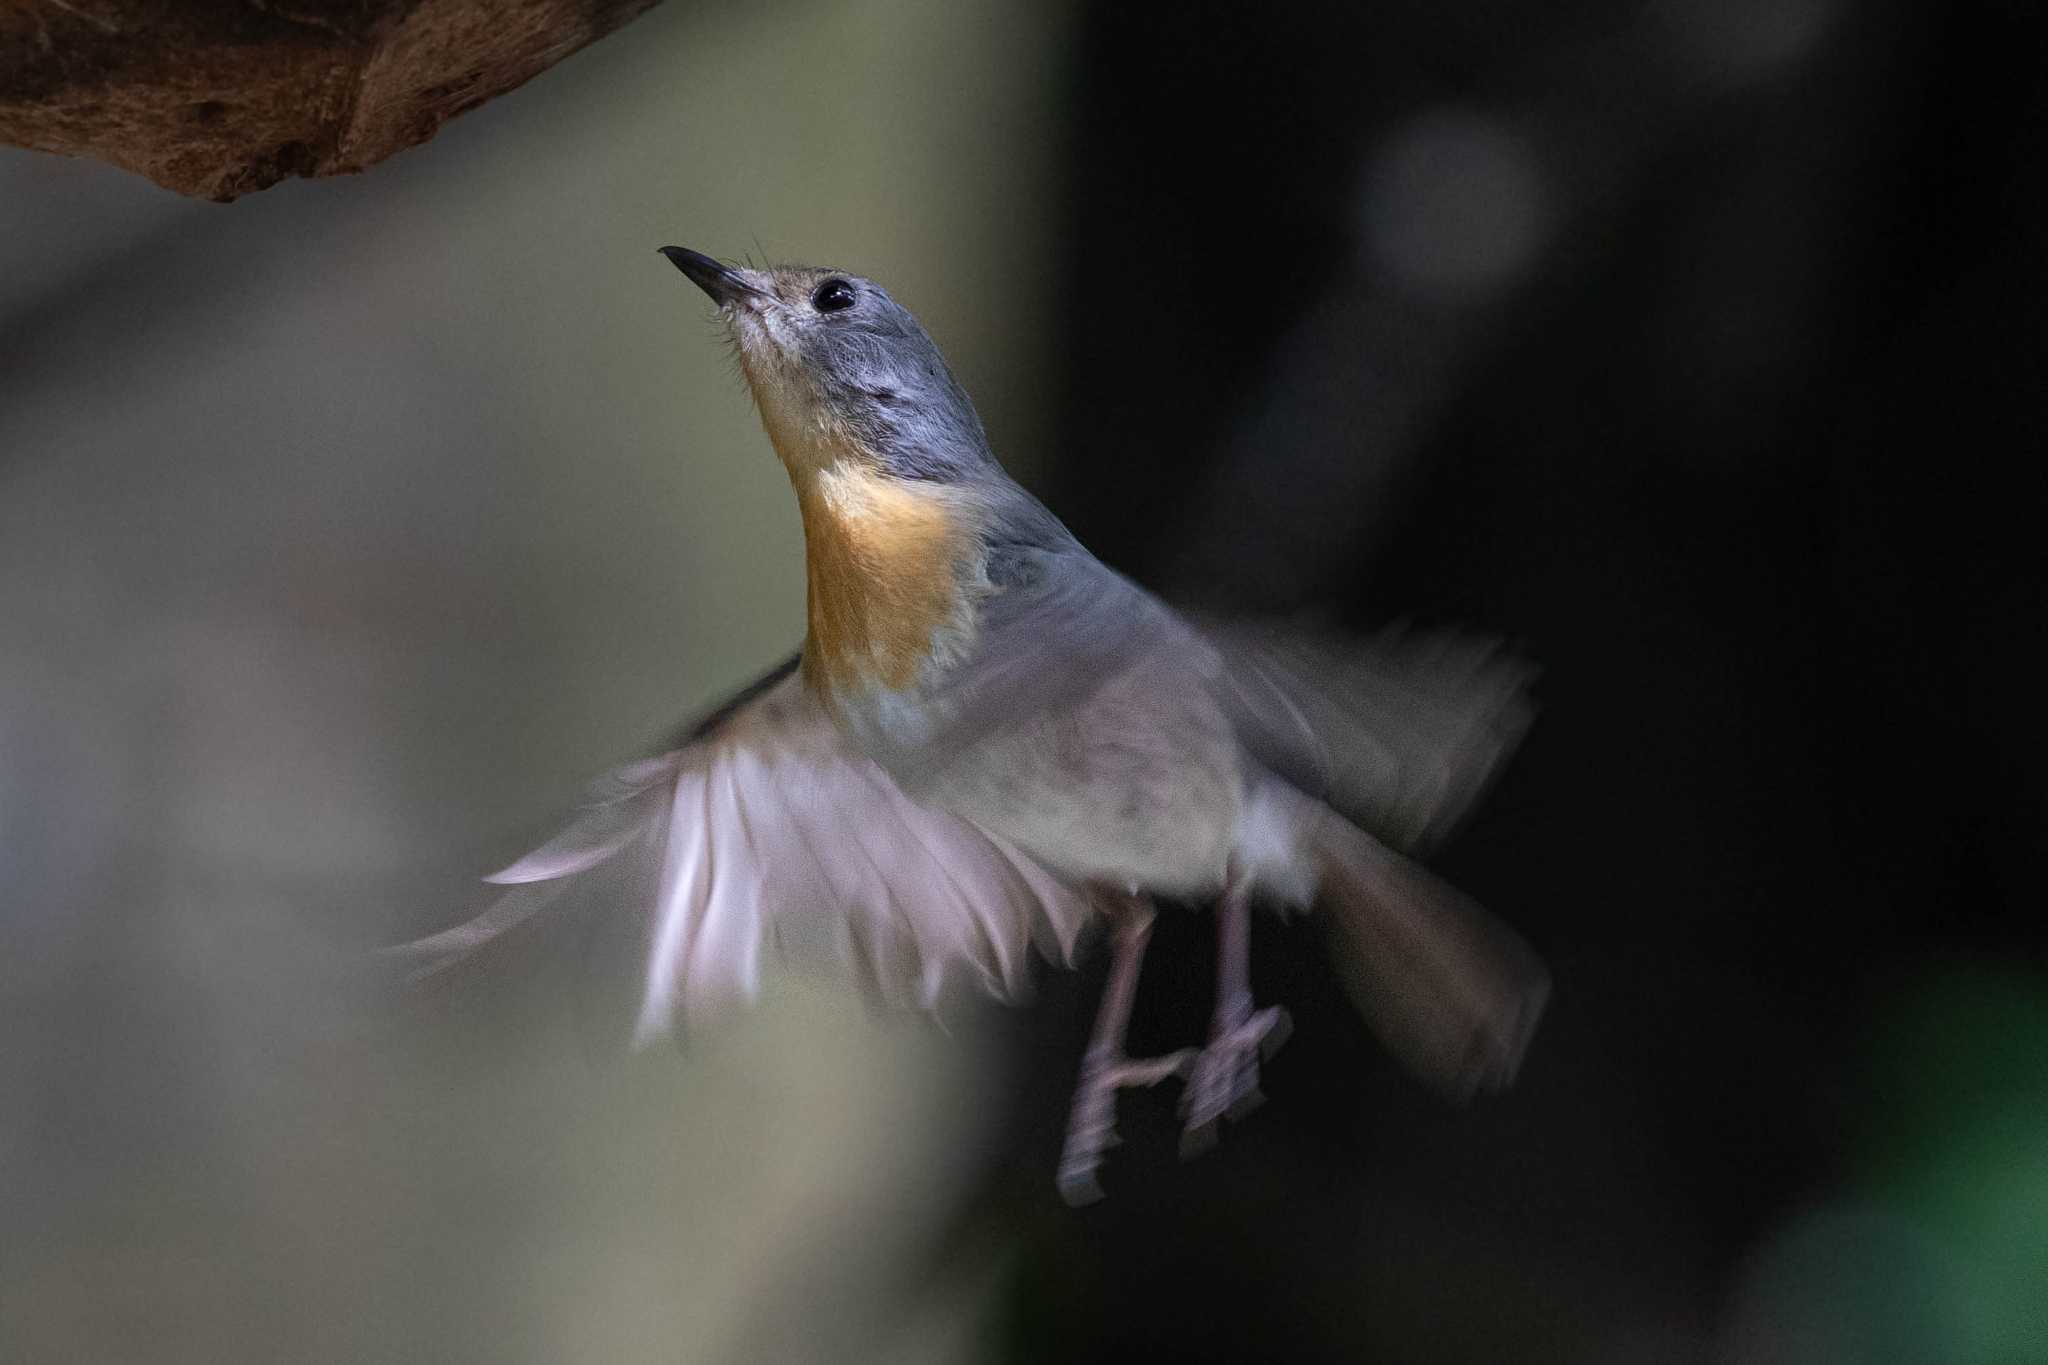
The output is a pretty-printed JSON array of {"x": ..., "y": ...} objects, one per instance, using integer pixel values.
[{"x": 1453, "y": 993}]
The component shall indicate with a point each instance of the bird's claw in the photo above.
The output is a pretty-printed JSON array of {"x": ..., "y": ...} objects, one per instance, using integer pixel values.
[
  {"x": 1092, "y": 1128},
  {"x": 1224, "y": 1082}
]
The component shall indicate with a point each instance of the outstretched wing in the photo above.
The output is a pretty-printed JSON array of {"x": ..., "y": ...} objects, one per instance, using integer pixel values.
[
  {"x": 1401, "y": 731},
  {"x": 766, "y": 825}
]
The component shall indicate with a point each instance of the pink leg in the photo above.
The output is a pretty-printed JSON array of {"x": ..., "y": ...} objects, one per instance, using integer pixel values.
[
  {"x": 1091, "y": 1127},
  {"x": 1225, "y": 1080}
]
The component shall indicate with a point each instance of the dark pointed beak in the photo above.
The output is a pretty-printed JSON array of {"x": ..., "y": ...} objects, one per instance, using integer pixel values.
[{"x": 720, "y": 281}]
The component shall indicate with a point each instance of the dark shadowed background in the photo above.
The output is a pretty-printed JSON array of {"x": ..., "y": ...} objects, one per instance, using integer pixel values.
[{"x": 1693, "y": 345}]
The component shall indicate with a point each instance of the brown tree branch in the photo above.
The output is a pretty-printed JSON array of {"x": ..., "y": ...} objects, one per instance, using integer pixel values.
[{"x": 219, "y": 98}]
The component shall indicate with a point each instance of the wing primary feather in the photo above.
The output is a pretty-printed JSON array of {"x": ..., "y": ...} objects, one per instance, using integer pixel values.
[
  {"x": 606, "y": 826},
  {"x": 885, "y": 917},
  {"x": 991, "y": 968},
  {"x": 436, "y": 953},
  {"x": 724, "y": 946},
  {"x": 706, "y": 899},
  {"x": 671, "y": 921}
]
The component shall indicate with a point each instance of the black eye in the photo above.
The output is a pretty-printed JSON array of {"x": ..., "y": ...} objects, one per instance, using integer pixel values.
[{"x": 833, "y": 296}]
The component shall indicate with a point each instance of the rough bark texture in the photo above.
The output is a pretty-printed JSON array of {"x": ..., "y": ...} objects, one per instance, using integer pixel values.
[{"x": 218, "y": 98}]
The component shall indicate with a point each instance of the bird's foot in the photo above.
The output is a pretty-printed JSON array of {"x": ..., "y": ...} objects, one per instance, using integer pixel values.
[
  {"x": 1224, "y": 1082},
  {"x": 1091, "y": 1128}
]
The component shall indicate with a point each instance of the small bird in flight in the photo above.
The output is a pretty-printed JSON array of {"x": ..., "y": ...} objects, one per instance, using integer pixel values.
[{"x": 989, "y": 741}]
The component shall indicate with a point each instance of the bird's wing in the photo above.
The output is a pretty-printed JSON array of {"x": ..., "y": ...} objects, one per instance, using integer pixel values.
[
  {"x": 1400, "y": 731},
  {"x": 766, "y": 825}
]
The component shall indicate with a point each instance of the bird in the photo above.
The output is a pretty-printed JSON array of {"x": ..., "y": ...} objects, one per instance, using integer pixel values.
[{"x": 990, "y": 745}]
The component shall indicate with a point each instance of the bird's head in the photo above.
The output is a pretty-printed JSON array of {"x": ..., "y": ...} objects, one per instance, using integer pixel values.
[{"x": 842, "y": 371}]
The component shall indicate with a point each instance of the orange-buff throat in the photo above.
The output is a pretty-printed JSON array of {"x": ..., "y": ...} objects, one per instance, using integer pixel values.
[{"x": 884, "y": 564}]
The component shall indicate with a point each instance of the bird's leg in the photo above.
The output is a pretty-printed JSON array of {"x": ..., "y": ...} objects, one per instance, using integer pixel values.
[
  {"x": 1225, "y": 1080},
  {"x": 1105, "y": 1069}
]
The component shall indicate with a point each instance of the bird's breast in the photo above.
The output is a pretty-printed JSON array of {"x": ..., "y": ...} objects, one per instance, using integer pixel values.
[{"x": 887, "y": 568}]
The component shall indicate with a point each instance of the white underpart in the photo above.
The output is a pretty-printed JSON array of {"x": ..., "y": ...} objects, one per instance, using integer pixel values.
[{"x": 1269, "y": 852}]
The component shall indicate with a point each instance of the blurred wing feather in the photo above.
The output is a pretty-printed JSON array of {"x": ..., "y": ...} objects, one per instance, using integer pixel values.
[
  {"x": 1400, "y": 731},
  {"x": 767, "y": 824},
  {"x": 618, "y": 810}
]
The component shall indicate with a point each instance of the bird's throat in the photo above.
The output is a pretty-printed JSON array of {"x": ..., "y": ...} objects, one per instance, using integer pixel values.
[{"x": 886, "y": 567}]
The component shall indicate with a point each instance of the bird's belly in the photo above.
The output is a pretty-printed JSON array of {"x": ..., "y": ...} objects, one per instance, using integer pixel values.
[{"x": 1134, "y": 787}]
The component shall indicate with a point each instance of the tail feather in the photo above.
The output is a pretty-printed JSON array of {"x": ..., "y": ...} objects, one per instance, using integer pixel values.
[{"x": 1453, "y": 993}]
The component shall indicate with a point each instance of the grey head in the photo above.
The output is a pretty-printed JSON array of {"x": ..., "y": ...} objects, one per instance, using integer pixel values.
[{"x": 838, "y": 367}]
